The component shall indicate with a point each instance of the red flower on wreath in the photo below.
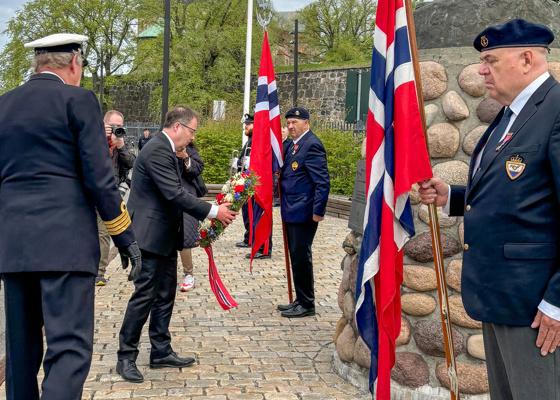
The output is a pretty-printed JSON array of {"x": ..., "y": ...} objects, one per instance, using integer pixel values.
[
  {"x": 203, "y": 234},
  {"x": 220, "y": 198},
  {"x": 245, "y": 175},
  {"x": 239, "y": 188}
]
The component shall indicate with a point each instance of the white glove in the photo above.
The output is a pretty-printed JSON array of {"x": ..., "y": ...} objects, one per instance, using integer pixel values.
[
  {"x": 246, "y": 162},
  {"x": 234, "y": 163}
]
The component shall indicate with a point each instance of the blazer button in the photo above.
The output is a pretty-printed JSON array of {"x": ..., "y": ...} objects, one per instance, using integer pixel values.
[
  {"x": 466, "y": 246},
  {"x": 468, "y": 208}
]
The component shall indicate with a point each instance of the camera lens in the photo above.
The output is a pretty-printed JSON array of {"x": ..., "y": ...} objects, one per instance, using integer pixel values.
[{"x": 119, "y": 132}]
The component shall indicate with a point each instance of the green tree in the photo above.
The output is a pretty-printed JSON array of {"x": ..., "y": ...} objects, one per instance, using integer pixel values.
[
  {"x": 342, "y": 30},
  {"x": 109, "y": 25},
  {"x": 207, "y": 51}
]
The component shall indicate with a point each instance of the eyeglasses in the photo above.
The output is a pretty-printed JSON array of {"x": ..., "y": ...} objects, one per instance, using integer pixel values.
[{"x": 193, "y": 131}]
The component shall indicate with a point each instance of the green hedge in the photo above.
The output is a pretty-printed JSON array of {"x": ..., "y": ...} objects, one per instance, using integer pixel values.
[{"x": 216, "y": 141}]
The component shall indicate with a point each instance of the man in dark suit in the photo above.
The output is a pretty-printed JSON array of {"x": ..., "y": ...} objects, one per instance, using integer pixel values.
[
  {"x": 304, "y": 192},
  {"x": 157, "y": 202},
  {"x": 511, "y": 279},
  {"x": 55, "y": 171}
]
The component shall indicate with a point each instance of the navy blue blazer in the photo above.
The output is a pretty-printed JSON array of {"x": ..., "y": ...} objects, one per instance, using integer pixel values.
[
  {"x": 305, "y": 181},
  {"x": 55, "y": 170},
  {"x": 157, "y": 199},
  {"x": 512, "y": 219}
]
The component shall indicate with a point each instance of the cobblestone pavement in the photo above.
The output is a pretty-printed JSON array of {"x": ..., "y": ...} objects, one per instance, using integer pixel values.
[{"x": 249, "y": 352}]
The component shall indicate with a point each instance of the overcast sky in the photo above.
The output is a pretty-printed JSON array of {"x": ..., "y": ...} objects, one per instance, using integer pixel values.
[{"x": 8, "y": 7}]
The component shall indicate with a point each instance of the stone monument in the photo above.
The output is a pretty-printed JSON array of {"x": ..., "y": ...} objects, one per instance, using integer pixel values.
[{"x": 458, "y": 112}]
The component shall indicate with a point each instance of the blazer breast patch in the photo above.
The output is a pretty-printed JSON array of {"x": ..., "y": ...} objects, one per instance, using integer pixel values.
[
  {"x": 515, "y": 167},
  {"x": 295, "y": 165}
]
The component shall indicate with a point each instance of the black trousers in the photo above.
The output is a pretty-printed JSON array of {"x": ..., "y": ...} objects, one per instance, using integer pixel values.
[
  {"x": 245, "y": 213},
  {"x": 62, "y": 302},
  {"x": 154, "y": 296},
  {"x": 300, "y": 239}
]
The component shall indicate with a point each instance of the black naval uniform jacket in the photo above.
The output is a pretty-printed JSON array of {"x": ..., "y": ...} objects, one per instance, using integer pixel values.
[
  {"x": 305, "y": 181},
  {"x": 512, "y": 226},
  {"x": 157, "y": 199},
  {"x": 55, "y": 170}
]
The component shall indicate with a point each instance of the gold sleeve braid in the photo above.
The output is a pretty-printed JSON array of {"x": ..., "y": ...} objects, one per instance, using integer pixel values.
[{"x": 119, "y": 224}]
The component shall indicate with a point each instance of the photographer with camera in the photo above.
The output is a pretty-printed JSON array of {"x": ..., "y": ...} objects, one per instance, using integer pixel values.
[{"x": 123, "y": 160}]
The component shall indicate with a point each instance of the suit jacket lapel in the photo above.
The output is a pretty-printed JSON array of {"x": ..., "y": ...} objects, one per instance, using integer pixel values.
[{"x": 526, "y": 113}]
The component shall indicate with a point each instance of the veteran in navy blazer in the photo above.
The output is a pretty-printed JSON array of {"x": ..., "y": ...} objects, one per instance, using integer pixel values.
[
  {"x": 157, "y": 203},
  {"x": 55, "y": 170},
  {"x": 511, "y": 209},
  {"x": 304, "y": 192}
]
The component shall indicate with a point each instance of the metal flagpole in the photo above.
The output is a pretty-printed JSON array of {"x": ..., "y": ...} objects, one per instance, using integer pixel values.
[
  {"x": 247, "y": 94},
  {"x": 434, "y": 227}
]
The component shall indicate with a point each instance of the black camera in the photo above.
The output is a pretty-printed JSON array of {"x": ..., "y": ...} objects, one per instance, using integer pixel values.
[{"x": 118, "y": 131}]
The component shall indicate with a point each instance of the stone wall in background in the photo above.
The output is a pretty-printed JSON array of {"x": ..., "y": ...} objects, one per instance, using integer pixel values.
[
  {"x": 133, "y": 99},
  {"x": 458, "y": 111}
]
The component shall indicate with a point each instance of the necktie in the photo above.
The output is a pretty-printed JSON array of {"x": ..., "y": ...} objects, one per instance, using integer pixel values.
[{"x": 495, "y": 138}]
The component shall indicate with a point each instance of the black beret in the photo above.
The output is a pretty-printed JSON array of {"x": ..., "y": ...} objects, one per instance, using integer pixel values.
[
  {"x": 514, "y": 33},
  {"x": 298, "y": 113},
  {"x": 248, "y": 119}
]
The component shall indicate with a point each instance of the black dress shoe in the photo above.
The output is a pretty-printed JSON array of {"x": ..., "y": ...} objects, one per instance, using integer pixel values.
[
  {"x": 127, "y": 369},
  {"x": 286, "y": 307},
  {"x": 298, "y": 311},
  {"x": 258, "y": 256},
  {"x": 172, "y": 360},
  {"x": 242, "y": 244}
]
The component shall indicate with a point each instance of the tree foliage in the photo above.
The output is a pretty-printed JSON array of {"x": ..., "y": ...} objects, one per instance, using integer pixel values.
[
  {"x": 109, "y": 25},
  {"x": 207, "y": 51},
  {"x": 341, "y": 30}
]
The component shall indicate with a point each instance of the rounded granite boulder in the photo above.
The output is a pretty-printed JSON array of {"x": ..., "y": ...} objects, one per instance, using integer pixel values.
[
  {"x": 458, "y": 314},
  {"x": 404, "y": 336},
  {"x": 487, "y": 110},
  {"x": 418, "y": 304},
  {"x": 345, "y": 344},
  {"x": 434, "y": 80},
  {"x": 349, "y": 244},
  {"x": 444, "y": 220},
  {"x": 428, "y": 336},
  {"x": 341, "y": 297},
  {"x": 475, "y": 347},
  {"x": 471, "y": 82},
  {"x": 453, "y": 274},
  {"x": 452, "y": 172},
  {"x": 419, "y": 248},
  {"x": 414, "y": 195},
  {"x": 419, "y": 278},
  {"x": 473, "y": 378},
  {"x": 362, "y": 354},
  {"x": 340, "y": 325},
  {"x": 454, "y": 107},
  {"x": 430, "y": 112},
  {"x": 472, "y": 139},
  {"x": 349, "y": 306},
  {"x": 443, "y": 140},
  {"x": 410, "y": 370}
]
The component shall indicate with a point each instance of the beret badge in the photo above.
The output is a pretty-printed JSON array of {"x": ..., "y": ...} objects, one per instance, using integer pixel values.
[
  {"x": 297, "y": 112},
  {"x": 483, "y": 41}
]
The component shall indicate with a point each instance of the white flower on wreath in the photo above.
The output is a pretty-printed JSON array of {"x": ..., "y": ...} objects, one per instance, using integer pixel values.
[
  {"x": 206, "y": 224},
  {"x": 225, "y": 188},
  {"x": 241, "y": 181},
  {"x": 229, "y": 198}
]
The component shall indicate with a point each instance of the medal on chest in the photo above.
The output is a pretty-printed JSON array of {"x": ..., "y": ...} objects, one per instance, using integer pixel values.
[
  {"x": 295, "y": 149},
  {"x": 515, "y": 167}
]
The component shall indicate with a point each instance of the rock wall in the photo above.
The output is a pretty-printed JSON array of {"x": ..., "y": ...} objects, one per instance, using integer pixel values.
[
  {"x": 133, "y": 99},
  {"x": 458, "y": 111}
]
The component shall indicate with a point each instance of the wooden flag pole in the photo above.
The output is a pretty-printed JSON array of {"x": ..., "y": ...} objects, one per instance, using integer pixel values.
[
  {"x": 287, "y": 255},
  {"x": 434, "y": 227}
]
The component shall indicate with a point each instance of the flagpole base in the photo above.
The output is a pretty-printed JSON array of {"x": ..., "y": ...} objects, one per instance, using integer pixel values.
[{"x": 359, "y": 378}]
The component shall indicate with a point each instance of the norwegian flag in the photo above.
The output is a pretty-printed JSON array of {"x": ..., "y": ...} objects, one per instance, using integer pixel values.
[
  {"x": 266, "y": 151},
  {"x": 396, "y": 158}
]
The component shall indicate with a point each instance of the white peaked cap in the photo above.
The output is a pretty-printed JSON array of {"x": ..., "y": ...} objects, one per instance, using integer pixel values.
[{"x": 56, "y": 40}]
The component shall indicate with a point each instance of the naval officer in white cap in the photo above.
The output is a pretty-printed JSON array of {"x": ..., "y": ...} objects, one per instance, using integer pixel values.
[{"x": 54, "y": 172}]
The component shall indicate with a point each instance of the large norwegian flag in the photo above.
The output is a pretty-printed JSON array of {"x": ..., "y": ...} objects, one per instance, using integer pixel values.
[
  {"x": 266, "y": 150},
  {"x": 396, "y": 158}
]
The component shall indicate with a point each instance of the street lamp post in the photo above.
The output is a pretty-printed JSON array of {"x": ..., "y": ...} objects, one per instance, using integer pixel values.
[{"x": 296, "y": 52}]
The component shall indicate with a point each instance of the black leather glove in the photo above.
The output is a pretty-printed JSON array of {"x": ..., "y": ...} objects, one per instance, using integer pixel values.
[{"x": 132, "y": 253}]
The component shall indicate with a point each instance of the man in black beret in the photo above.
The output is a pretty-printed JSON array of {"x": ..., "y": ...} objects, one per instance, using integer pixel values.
[
  {"x": 304, "y": 192},
  {"x": 511, "y": 209}
]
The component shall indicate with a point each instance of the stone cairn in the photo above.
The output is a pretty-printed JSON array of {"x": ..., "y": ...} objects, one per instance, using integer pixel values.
[{"x": 458, "y": 111}]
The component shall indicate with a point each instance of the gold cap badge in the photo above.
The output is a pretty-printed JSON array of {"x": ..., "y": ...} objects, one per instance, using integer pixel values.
[
  {"x": 297, "y": 112},
  {"x": 484, "y": 41}
]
